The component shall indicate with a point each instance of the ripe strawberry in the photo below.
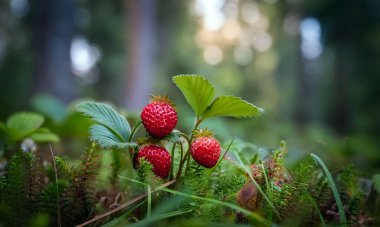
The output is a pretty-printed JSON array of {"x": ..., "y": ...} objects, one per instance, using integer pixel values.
[
  {"x": 159, "y": 117},
  {"x": 205, "y": 149},
  {"x": 156, "y": 155}
]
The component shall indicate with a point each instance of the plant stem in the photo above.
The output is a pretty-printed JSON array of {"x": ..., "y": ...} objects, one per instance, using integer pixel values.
[
  {"x": 56, "y": 184},
  {"x": 180, "y": 166},
  {"x": 149, "y": 209},
  {"x": 220, "y": 160},
  {"x": 171, "y": 168},
  {"x": 134, "y": 130},
  {"x": 188, "y": 162}
]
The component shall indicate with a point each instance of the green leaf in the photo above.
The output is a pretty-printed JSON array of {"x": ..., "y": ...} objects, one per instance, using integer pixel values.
[
  {"x": 43, "y": 135},
  {"x": 108, "y": 117},
  {"x": 197, "y": 90},
  {"x": 233, "y": 107},
  {"x": 105, "y": 138},
  {"x": 50, "y": 106},
  {"x": 23, "y": 123},
  {"x": 376, "y": 182}
]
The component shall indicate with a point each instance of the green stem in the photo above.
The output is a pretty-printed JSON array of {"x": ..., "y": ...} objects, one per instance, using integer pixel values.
[
  {"x": 180, "y": 166},
  {"x": 224, "y": 154},
  {"x": 188, "y": 162},
  {"x": 134, "y": 130},
  {"x": 172, "y": 165},
  {"x": 187, "y": 154},
  {"x": 149, "y": 209},
  {"x": 269, "y": 187}
]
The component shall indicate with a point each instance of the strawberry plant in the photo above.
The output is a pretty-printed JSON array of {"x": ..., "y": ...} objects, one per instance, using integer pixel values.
[{"x": 154, "y": 173}]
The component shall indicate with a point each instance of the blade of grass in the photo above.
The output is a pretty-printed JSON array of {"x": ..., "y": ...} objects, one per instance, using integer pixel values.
[
  {"x": 146, "y": 221},
  {"x": 125, "y": 205},
  {"x": 257, "y": 185},
  {"x": 254, "y": 215},
  {"x": 115, "y": 221},
  {"x": 56, "y": 186},
  {"x": 269, "y": 187},
  {"x": 342, "y": 215},
  {"x": 308, "y": 196}
]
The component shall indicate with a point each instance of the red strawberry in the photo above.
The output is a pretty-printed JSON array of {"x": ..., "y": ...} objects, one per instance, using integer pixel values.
[
  {"x": 159, "y": 117},
  {"x": 158, "y": 156},
  {"x": 205, "y": 149}
]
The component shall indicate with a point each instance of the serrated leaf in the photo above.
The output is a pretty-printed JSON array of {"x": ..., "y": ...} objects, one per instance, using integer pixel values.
[
  {"x": 106, "y": 139},
  {"x": 233, "y": 107},
  {"x": 197, "y": 90},
  {"x": 108, "y": 117},
  {"x": 23, "y": 123}
]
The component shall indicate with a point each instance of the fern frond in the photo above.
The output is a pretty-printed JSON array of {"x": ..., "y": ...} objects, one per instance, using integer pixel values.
[
  {"x": 22, "y": 187},
  {"x": 78, "y": 201}
]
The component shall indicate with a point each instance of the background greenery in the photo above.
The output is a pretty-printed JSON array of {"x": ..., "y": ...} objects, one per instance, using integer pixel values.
[{"x": 313, "y": 66}]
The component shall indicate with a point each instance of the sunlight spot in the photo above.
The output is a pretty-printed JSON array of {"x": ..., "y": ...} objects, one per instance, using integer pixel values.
[
  {"x": 211, "y": 10},
  {"x": 213, "y": 55},
  {"x": 262, "y": 42},
  {"x": 243, "y": 55},
  {"x": 250, "y": 12},
  {"x": 83, "y": 56},
  {"x": 231, "y": 30},
  {"x": 19, "y": 8},
  {"x": 311, "y": 46},
  {"x": 231, "y": 10}
]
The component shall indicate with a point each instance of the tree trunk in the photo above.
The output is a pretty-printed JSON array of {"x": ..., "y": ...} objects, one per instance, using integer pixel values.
[
  {"x": 53, "y": 32},
  {"x": 141, "y": 43}
]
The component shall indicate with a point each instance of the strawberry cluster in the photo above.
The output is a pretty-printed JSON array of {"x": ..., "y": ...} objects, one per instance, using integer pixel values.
[{"x": 159, "y": 118}]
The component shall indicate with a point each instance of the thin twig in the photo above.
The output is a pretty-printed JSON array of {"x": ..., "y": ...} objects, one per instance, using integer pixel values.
[
  {"x": 56, "y": 185},
  {"x": 125, "y": 205}
]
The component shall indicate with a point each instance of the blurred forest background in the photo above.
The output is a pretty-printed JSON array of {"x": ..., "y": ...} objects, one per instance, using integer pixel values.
[{"x": 314, "y": 66}]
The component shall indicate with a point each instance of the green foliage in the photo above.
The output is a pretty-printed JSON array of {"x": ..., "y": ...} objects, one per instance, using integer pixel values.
[
  {"x": 342, "y": 215},
  {"x": 199, "y": 93},
  {"x": 77, "y": 203},
  {"x": 24, "y": 198},
  {"x": 25, "y": 124},
  {"x": 347, "y": 181},
  {"x": 228, "y": 187},
  {"x": 376, "y": 182},
  {"x": 111, "y": 130},
  {"x": 48, "y": 203},
  {"x": 233, "y": 107},
  {"x": 197, "y": 90},
  {"x": 50, "y": 106},
  {"x": 43, "y": 135},
  {"x": 144, "y": 171},
  {"x": 22, "y": 188}
]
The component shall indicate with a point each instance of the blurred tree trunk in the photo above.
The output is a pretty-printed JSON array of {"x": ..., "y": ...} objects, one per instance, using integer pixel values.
[
  {"x": 340, "y": 107},
  {"x": 53, "y": 32},
  {"x": 141, "y": 43}
]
